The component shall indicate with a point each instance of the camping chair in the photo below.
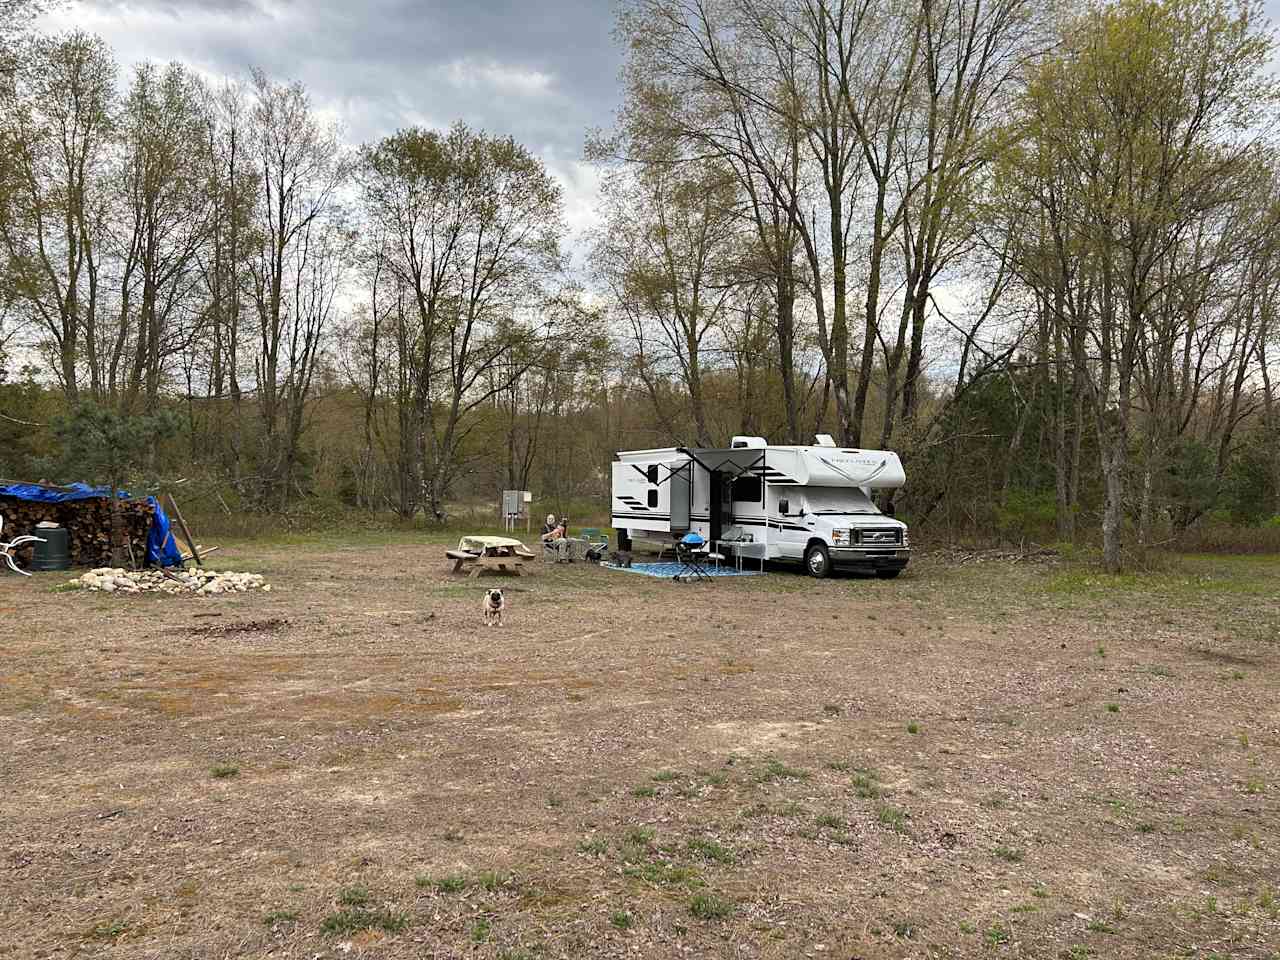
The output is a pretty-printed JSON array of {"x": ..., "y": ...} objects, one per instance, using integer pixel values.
[
  {"x": 597, "y": 540},
  {"x": 692, "y": 553},
  {"x": 556, "y": 551}
]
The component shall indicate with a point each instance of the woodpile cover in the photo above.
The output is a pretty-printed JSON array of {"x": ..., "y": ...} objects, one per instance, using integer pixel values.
[{"x": 87, "y": 522}]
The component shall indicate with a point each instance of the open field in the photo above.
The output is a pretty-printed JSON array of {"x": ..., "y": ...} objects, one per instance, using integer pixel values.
[{"x": 990, "y": 759}]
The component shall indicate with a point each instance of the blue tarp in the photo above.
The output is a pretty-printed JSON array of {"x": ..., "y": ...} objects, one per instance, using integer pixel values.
[{"x": 162, "y": 548}]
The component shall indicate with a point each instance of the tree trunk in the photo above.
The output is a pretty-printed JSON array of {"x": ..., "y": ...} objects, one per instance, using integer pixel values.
[
  {"x": 786, "y": 354},
  {"x": 1113, "y": 467}
]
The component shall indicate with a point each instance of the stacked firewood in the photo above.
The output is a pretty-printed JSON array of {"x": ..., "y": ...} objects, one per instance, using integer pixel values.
[{"x": 88, "y": 525}]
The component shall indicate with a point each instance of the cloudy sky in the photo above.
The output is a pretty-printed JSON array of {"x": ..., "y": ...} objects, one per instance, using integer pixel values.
[{"x": 543, "y": 71}]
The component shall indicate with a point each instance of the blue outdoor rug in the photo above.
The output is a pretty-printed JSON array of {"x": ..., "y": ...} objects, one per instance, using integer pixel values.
[{"x": 666, "y": 571}]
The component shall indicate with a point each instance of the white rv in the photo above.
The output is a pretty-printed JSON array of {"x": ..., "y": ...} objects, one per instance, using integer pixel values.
[{"x": 807, "y": 504}]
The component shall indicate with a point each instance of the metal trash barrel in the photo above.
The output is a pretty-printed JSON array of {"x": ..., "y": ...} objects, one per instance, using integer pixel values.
[{"x": 54, "y": 553}]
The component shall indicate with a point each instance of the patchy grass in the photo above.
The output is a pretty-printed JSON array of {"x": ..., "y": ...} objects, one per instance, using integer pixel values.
[
  {"x": 866, "y": 786},
  {"x": 707, "y": 906},
  {"x": 662, "y": 873},
  {"x": 998, "y": 934},
  {"x": 491, "y": 880},
  {"x": 109, "y": 930},
  {"x": 225, "y": 771},
  {"x": 703, "y": 848},
  {"x": 357, "y": 918},
  {"x": 775, "y": 770},
  {"x": 356, "y": 895},
  {"x": 453, "y": 883},
  {"x": 622, "y": 920},
  {"x": 892, "y": 817}
]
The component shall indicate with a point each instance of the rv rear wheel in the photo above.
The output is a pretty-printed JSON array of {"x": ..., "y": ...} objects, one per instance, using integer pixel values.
[{"x": 817, "y": 560}]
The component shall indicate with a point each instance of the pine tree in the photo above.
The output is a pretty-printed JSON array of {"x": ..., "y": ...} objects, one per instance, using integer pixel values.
[{"x": 102, "y": 444}]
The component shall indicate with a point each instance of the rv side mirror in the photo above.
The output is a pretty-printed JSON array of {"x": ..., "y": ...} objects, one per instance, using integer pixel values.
[
  {"x": 784, "y": 507},
  {"x": 890, "y": 510}
]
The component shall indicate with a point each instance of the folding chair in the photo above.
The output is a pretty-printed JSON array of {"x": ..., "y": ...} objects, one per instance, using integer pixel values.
[{"x": 597, "y": 540}]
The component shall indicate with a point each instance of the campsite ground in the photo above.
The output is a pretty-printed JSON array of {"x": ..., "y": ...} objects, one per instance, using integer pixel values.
[{"x": 978, "y": 759}]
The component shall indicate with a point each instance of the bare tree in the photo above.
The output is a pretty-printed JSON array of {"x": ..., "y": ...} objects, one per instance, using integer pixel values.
[
  {"x": 667, "y": 233},
  {"x": 56, "y": 128},
  {"x": 301, "y": 165},
  {"x": 472, "y": 226}
]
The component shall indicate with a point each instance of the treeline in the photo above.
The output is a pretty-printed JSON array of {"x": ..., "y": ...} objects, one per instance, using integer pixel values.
[{"x": 1030, "y": 250}]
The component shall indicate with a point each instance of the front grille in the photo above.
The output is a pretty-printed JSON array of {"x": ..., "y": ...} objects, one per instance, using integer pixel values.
[{"x": 888, "y": 536}]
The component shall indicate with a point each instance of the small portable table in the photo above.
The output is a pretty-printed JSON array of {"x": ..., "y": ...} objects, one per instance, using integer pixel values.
[{"x": 741, "y": 548}]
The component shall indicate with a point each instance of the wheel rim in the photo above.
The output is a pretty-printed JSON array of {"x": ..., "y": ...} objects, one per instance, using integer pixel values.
[{"x": 816, "y": 563}]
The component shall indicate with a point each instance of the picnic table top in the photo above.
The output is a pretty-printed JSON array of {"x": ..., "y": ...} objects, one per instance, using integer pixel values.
[{"x": 485, "y": 544}]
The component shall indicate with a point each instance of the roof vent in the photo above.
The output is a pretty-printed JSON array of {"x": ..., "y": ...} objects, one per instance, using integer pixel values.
[
  {"x": 824, "y": 440},
  {"x": 749, "y": 443}
]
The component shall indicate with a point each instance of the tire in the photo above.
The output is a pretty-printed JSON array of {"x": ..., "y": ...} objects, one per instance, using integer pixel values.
[
  {"x": 817, "y": 561},
  {"x": 887, "y": 574}
]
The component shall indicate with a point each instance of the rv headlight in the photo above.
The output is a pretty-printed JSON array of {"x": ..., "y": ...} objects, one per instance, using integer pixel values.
[
  {"x": 839, "y": 538},
  {"x": 906, "y": 540}
]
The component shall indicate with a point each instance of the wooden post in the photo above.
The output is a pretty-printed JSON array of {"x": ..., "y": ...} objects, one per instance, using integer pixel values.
[{"x": 182, "y": 525}]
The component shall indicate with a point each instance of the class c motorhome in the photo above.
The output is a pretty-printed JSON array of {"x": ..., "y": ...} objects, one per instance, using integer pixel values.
[{"x": 809, "y": 504}]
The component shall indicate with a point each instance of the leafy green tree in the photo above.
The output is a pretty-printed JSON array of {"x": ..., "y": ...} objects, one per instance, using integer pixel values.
[
  {"x": 99, "y": 443},
  {"x": 1145, "y": 124}
]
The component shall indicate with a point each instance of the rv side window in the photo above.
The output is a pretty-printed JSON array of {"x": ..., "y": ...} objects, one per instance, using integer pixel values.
[
  {"x": 748, "y": 489},
  {"x": 653, "y": 498},
  {"x": 653, "y": 475}
]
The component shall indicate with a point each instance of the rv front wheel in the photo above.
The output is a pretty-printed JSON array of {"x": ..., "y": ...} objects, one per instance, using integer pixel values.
[{"x": 817, "y": 560}]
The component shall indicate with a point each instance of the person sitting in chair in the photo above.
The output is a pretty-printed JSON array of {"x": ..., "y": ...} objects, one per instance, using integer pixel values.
[{"x": 554, "y": 537}]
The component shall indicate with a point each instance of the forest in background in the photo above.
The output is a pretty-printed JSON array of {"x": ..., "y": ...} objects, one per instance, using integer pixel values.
[{"x": 1031, "y": 249}]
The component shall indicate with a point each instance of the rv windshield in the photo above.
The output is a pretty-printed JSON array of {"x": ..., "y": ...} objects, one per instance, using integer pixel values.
[{"x": 836, "y": 500}]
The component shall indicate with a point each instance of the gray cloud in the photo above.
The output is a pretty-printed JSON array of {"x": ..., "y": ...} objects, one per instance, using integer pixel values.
[{"x": 543, "y": 71}]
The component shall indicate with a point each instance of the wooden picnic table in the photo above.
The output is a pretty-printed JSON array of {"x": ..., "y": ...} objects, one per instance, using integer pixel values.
[{"x": 489, "y": 553}]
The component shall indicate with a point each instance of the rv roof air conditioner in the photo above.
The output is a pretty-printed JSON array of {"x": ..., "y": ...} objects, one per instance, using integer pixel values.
[
  {"x": 749, "y": 443},
  {"x": 824, "y": 440}
]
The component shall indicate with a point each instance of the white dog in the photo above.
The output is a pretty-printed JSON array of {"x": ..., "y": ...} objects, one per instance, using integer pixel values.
[{"x": 493, "y": 607}]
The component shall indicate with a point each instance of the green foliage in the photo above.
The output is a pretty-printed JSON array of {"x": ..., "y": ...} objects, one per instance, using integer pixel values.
[
  {"x": 102, "y": 445},
  {"x": 1027, "y": 513},
  {"x": 1190, "y": 482},
  {"x": 1250, "y": 493}
]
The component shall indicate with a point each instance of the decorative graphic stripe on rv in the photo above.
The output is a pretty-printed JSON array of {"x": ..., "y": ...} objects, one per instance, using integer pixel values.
[
  {"x": 641, "y": 516},
  {"x": 752, "y": 522},
  {"x": 770, "y": 522}
]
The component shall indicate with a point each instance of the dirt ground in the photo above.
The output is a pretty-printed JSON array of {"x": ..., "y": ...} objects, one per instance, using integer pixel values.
[{"x": 977, "y": 759}]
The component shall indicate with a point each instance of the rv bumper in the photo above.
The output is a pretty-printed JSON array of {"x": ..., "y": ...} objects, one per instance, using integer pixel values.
[{"x": 854, "y": 558}]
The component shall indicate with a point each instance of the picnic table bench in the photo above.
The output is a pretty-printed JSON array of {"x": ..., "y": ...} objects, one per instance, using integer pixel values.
[{"x": 489, "y": 553}]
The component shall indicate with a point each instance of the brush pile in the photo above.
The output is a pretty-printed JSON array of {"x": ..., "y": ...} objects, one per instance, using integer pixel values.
[{"x": 205, "y": 582}]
